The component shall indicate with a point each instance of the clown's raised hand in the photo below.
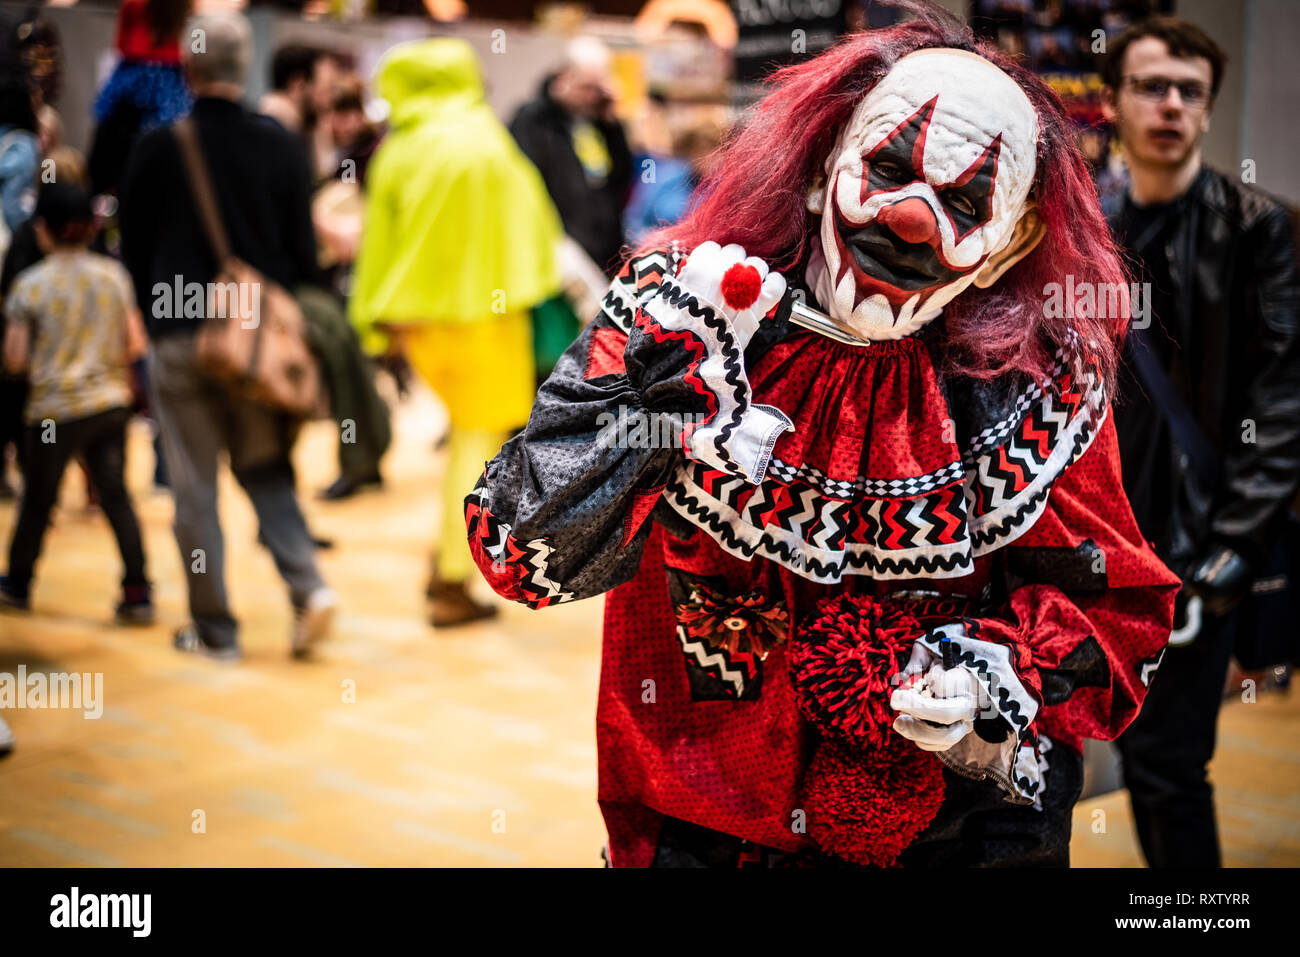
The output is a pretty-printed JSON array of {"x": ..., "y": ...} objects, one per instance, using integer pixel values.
[
  {"x": 739, "y": 287},
  {"x": 720, "y": 297}
]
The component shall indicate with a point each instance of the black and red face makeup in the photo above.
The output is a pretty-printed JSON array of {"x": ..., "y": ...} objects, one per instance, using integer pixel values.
[{"x": 928, "y": 180}]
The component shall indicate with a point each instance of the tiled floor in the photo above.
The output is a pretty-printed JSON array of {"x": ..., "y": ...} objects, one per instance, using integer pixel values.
[
  {"x": 1256, "y": 774},
  {"x": 397, "y": 745}
]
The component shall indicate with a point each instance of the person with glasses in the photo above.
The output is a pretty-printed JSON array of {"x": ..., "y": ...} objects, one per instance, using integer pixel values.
[{"x": 1209, "y": 410}]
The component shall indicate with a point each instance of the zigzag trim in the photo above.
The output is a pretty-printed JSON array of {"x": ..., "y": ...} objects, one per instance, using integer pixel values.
[
  {"x": 714, "y": 662},
  {"x": 617, "y": 311},
  {"x": 734, "y": 405},
  {"x": 1012, "y": 519},
  {"x": 995, "y": 434},
  {"x": 651, "y": 326},
  {"x": 738, "y": 537},
  {"x": 624, "y": 294},
  {"x": 995, "y": 462},
  {"x": 986, "y": 531},
  {"x": 1017, "y": 709},
  {"x": 502, "y": 547},
  {"x": 1030, "y": 770}
]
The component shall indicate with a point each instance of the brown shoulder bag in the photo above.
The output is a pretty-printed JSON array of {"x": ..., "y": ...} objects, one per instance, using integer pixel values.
[{"x": 253, "y": 339}]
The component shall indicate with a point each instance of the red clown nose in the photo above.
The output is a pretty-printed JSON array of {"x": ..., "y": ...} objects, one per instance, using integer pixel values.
[{"x": 911, "y": 220}]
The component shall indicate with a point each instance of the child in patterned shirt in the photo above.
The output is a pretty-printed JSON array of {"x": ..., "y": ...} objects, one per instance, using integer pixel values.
[{"x": 72, "y": 324}]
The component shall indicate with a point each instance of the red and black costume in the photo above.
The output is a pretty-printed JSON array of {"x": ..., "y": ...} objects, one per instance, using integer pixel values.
[{"x": 989, "y": 511}]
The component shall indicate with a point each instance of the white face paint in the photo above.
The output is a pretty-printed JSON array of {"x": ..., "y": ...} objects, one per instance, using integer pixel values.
[{"x": 927, "y": 181}]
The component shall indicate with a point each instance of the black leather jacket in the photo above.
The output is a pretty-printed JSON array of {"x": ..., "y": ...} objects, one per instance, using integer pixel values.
[{"x": 1234, "y": 284}]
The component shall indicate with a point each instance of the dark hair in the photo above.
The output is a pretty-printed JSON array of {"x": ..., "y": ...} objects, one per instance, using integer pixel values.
[
  {"x": 166, "y": 18},
  {"x": 292, "y": 61},
  {"x": 349, "y": 94},
  {"x": 65, "y": 210},
  {"x": 1184, "y": 39},
  {"x": 16, "y": 100}
]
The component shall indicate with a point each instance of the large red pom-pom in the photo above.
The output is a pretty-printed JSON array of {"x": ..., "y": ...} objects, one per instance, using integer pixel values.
[
  {"x": 741, "y": 285},
  {"x": 868, "y": 808},
  {"x": 843, "y": 661},
  {"x": 868, "y": 791}
]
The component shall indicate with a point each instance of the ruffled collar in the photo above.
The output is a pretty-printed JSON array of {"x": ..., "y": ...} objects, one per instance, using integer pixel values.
[{"x": 890, "y": 472}]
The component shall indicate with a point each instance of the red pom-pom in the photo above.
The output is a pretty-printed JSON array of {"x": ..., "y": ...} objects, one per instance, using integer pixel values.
[
  {"x": 741, "y": 285},
  {"x": 868, "y": 792},
  {"x": 843, "y": 661},
  {"x": 867, "y": 808}
]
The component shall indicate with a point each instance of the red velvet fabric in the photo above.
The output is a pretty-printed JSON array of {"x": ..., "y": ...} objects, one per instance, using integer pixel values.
[
  {"x": 858, "y": 413},
  {"x": 737, "y": 766}
]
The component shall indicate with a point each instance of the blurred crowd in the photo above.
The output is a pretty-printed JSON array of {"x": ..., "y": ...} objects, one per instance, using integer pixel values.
[{"x": 414, "y": 233}]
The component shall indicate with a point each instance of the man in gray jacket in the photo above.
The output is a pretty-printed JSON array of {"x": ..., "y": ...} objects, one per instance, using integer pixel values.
[{"x": 261, "y": 180}]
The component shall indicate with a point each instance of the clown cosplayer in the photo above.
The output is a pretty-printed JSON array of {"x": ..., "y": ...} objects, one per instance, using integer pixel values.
[{"x": 867, "y": 602}]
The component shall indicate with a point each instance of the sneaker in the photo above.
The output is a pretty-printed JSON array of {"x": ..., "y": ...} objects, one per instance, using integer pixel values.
[
  {"x": 10, "y": 598},
  {"x": 136, "y": 606},
  {"x": 188, "y": 640},
  {"x": 6, "y": 738},
  {"x": 312, "y": 620}
]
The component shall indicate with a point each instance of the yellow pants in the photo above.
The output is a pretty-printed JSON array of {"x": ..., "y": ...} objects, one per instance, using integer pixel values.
[
  {"x": 469, "y": 450},
  {"x": 483, "y": 373},
  {"x": 482, "y": 370}
]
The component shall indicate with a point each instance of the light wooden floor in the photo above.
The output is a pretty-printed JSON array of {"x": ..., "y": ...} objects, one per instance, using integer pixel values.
[{"x": 472, "y": 747}]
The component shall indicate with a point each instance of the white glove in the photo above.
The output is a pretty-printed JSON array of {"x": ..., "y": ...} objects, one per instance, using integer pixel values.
[
  {"x": 754, "y": 294},
  {"x": 740, "y": 290},
  {"x": 936, "y": 706}
]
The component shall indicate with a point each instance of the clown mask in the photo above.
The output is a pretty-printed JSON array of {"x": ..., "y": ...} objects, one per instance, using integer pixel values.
[{"x": 925, "y": 193}]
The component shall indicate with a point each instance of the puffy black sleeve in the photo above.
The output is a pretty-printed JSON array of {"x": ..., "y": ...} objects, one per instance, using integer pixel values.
[{"x": 562, "y": 512}]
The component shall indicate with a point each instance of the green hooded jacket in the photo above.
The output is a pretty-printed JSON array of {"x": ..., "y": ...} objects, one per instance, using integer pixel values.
[{"x": 458, "y": 223}]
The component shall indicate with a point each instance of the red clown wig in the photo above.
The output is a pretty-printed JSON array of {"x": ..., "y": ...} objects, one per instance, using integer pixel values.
[{"x": 757, "y": 195}]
